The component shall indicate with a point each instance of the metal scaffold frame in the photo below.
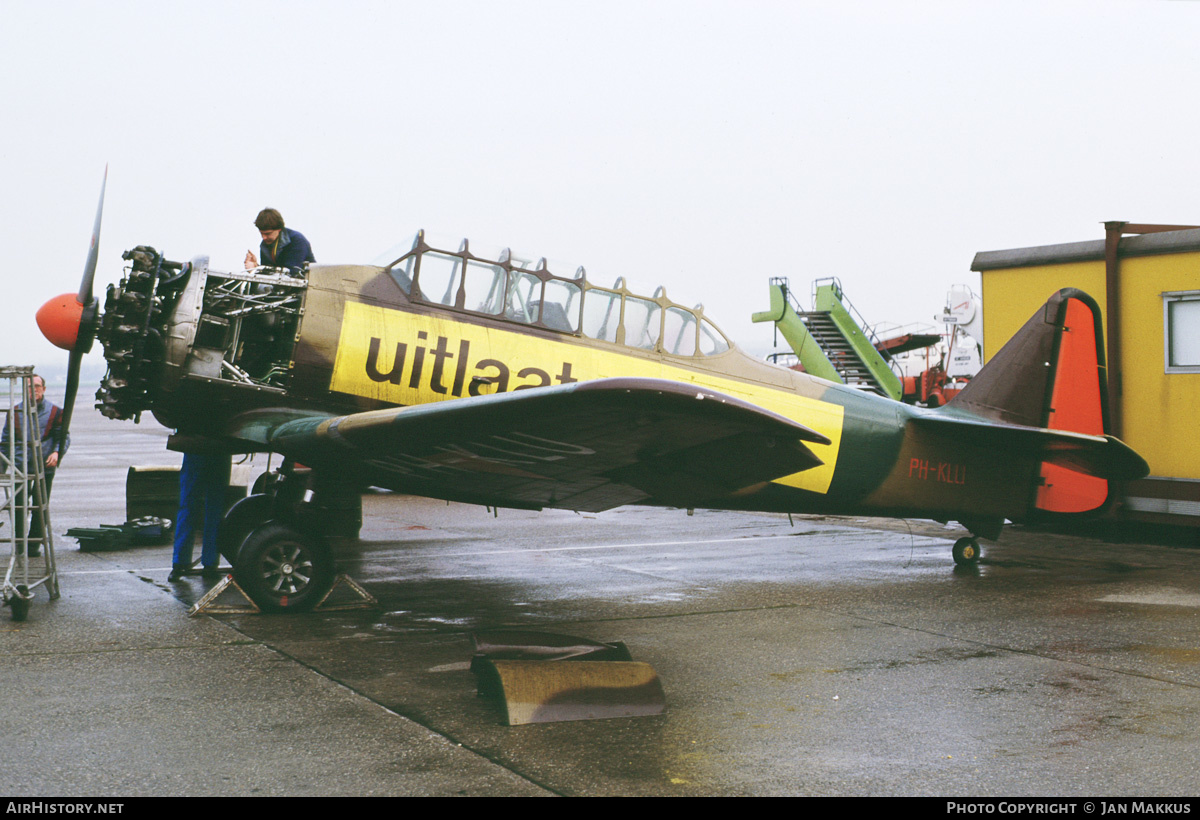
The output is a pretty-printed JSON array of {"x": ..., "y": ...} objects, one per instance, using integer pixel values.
[{"x": 23, "y": 487}]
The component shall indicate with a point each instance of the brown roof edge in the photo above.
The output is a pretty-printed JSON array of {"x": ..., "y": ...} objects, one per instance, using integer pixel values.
[{"x": 1176, "y": 241}]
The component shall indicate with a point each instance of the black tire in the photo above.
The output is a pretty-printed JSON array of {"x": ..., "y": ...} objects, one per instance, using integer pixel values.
[
  {"x": 283, "y": 570},
  {"x": 242, "y": 517},
  {"x": 966, "y": 552}
]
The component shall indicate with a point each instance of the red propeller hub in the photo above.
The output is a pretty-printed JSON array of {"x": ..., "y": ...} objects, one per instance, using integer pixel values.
[{"x": 60, "y": 320}]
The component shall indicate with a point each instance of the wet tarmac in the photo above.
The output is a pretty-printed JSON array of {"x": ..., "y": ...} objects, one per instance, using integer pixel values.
[{"x": 813, "y": 657}]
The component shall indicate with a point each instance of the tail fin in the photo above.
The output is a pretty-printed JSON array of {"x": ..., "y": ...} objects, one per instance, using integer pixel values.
[{"x": 1051, "y": 374}]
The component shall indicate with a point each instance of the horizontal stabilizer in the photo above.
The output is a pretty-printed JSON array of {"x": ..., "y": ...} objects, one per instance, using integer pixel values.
[{"x": 1100, "y": 456}]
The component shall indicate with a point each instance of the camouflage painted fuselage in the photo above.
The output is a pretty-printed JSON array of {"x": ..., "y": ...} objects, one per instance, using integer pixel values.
[
  {"x": 363, "y": 343},
  {"x": 351, "y": 339}
]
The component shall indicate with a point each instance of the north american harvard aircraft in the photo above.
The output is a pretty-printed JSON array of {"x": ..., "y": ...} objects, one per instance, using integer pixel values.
[{"x": 495, "y": 380}]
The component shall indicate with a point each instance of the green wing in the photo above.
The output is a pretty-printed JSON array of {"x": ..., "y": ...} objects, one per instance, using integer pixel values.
[{"x": 586, "y": 446}]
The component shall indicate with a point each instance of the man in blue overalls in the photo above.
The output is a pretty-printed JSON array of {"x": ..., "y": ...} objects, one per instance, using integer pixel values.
[{"x": 203, "y": 483}]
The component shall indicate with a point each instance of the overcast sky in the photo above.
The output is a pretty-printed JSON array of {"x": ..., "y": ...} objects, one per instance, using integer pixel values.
[{"x": 704, "y": 146}]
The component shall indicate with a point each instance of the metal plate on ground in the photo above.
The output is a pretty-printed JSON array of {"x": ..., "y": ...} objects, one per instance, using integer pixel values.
[{"x": 551, "y": 691}]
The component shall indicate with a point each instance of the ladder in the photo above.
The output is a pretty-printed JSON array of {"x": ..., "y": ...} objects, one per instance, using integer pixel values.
[
  {"x": 831, "y": 341},
  {"x": 23, "y": 488},
  {"x": 841, "y": 354}
]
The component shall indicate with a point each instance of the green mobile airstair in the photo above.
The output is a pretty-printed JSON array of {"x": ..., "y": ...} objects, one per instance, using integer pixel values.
[{"x": 831, "y": 340}]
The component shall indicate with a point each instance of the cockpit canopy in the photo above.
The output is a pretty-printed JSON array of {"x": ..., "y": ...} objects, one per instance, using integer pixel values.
[{"x": 528, "y": 292}]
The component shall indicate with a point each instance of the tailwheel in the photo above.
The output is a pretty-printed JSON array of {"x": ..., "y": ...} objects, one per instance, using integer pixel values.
[
  {"x": 966, "y": 552},
  {"x": 283, "y": 570}
]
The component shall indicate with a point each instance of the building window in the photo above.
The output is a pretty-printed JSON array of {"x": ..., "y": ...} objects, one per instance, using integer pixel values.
[{"x": 1181, "y": 320}]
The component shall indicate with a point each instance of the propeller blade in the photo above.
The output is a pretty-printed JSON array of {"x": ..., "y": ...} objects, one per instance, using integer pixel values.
[
  {"x": 89, "y": 269},
  {"x": 87, "y": 309},
  {"x": 74, "y": 362}
]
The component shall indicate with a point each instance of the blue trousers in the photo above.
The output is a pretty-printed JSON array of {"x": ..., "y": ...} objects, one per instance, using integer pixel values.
[{"x": 202, "y": 485}]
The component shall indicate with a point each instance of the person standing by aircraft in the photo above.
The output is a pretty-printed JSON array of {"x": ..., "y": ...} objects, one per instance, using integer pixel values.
[
  {"x": 203, "y": 484},
  {"x": 281, "y": 247},
  {"x": 49, "y": 421}
]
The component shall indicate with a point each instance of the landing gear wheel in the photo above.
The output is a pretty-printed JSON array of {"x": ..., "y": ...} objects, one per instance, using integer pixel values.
[
  {"x": 242, "y": 517},
  {"x": 966, "y": 552},
  {"x": 283, "y": 570}
]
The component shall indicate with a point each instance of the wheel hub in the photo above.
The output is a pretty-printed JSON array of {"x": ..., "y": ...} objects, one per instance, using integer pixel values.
[{"x": 286, "y": 569}]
